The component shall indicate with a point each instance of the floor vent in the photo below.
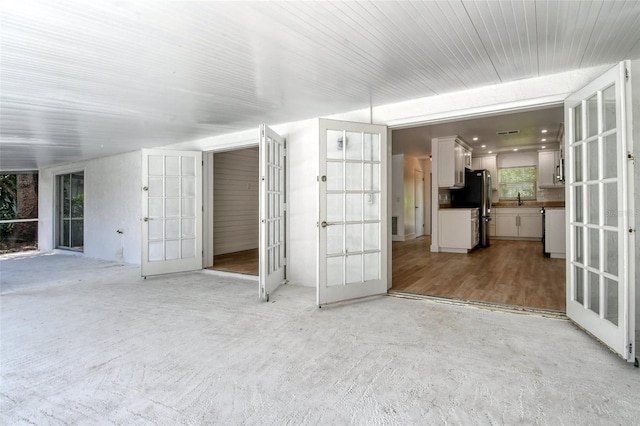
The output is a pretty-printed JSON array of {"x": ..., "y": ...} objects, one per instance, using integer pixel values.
[{"x": 394, "y": 225}]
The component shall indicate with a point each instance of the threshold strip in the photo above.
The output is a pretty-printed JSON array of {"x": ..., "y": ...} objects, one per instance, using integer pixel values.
[{"x": 547, "y": 313}]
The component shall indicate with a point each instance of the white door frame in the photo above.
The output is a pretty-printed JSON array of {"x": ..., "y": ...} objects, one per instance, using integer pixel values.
[
  {"x": 207, "y": 198},
  {"x": 418, "y": 189}
]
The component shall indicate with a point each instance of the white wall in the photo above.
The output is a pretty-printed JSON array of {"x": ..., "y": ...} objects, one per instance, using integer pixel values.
[
  {"x": 112, "y": 200},
  {"x": 426, "y": 168},
  {"x": 403, "y": 195},
  {"x": 411, "y": 164},
  {"x": 302, "y": 202},
  {"x": 235, "y": 200}
]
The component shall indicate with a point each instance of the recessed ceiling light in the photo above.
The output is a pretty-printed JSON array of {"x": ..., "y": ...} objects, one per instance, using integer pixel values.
[
  {"x": 483, "y": 146},
  {"x": 544, "y": 130},
  {"x": 475, "y": 139},
  {"x": 515, "y": 149},
  {"x": 490, "y": 152},
  {"x": 543, "y": 147},
  {"x": 544, "y": 139}
]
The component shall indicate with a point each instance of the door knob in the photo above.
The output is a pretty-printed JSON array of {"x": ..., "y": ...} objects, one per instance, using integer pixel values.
[{"x": 324, "y": 224}]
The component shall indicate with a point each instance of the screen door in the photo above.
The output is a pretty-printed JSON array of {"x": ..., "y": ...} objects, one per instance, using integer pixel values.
[
  {"x": 600, "y": 268},
  {"x": 171, "y": 211},
  {"x": 353, "y": 211},
  {"x": 272, "y": 212}
]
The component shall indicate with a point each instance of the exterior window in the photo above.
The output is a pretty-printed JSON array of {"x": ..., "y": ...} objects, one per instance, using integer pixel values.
[
  {"x": 18, "y": 212},
  {"x": 516, "y": 180}
]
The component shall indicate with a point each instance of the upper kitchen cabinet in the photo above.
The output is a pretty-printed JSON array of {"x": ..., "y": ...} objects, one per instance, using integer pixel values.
[
  {"x": 454, "y": 155},
  {"x": 549, "y": 169},
  {"x": 490, "y": 163}
]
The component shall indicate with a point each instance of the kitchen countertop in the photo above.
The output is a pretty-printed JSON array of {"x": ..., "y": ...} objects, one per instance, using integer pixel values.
[
  {"x": 529, "y": 204},
  {"x": 512, "y": 204}
]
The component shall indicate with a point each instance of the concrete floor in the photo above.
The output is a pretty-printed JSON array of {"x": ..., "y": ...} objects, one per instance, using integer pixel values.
[{"x": 90, "y": 342}]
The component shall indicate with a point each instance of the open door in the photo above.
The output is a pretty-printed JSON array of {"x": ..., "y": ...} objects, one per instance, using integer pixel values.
[
  {"x": 353, "y": 211},
  {"x": 171, "y": 211},
  {"x": 272, "y": 212},
  {"x": 600, "y": 266}
]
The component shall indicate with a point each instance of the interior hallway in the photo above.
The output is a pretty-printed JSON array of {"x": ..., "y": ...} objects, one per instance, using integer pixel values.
[
  {"x": 507, "y": 272},
  {"x": 240, "y": 262},
  {"x": 88, "y": 342}
]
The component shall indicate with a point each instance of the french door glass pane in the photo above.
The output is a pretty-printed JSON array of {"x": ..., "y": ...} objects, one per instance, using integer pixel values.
[
  {"x": 578, "y": 205},
  {"x": 335, "y": 176},
  {"x": 372, "y": 266},
  {"x": 593, "y": 204},
  {"x": 594, "y": 292},
  {"x": 610, "y": 152},
  {"x": 609, "y": 106},
  {"x": 354, "y": 269},
  {"x": 592, "y": 116},
  {"x": 577, "y": 120},
  {"x": 577, "y": 163},
  {"x": 594, "y": 248},
  {"x": 335, "y": 204},
  {"x": 335, "y": 271},
  {"x": 335, "y": 145},
  {"x": 592, "y": 160},
  {"x": 611, "y": 252},
  {"x": 578, "y": 273},
  {"x": 354, "y": 146},
  {"x": 611, "y": 300},
  {"x": 354, "y": 207},
  {"x": 579, "y": 244},
  {"x": 610, "y": 204}
]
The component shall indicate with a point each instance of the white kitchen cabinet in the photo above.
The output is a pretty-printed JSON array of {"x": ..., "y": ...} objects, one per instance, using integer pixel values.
[
  {"x": 549, "y": 169},
  {"x": 458, "y": 229},
  {"x": 489, "y": 163},
  {"x": 518, "y": 223},
  {"x": 453, "y": 156},
  {"x": 555, "y": 233}
]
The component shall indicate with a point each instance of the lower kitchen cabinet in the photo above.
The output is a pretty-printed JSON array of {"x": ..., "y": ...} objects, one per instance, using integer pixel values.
[
  {"x": 518, "y": 223},
  {"x": 555, "y": 233},
  {"x": 458, "y": 229}
]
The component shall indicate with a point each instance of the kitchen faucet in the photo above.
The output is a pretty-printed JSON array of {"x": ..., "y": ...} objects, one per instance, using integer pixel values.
[{"x": 519, "y": 200}]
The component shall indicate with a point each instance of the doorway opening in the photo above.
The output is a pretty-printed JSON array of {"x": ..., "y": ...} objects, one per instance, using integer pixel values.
[
  {"x": 70, "y": 211},
  {"x": 235, "y": 193},
  {"x": 514, "y": 269}
]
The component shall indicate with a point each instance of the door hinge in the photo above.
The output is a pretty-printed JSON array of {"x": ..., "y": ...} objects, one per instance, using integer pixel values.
[
  {"x": 284, "y": 152},
  {"x": 626, "y": 73},
  {"x": 262, "y": 132},
  {"x": 284, "y": 207},
  {"x": 284, "y": 261}
]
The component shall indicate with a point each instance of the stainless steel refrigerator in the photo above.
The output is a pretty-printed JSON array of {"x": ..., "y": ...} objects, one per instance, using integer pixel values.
[{"x": 476, "y": 193}]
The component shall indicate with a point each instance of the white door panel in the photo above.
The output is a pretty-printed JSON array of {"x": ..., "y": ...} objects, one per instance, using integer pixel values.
[
  {"x": 353, "y": 211},
  {"x": 171, "y": 211},
  {"x": 272, "y": 212},
  {"x": 600, "y": 267}
]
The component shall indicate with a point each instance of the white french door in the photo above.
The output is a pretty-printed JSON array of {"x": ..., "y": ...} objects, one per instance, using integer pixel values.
[
  {"x": 171, "y": 211},
  {"x": 353, "y": 211},
  {"x": 600, "y": 266},
  {"x": 272, "y": 212}
]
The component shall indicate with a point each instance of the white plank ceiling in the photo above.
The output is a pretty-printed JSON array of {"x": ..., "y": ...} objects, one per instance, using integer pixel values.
[{"x": 90, "y": 78}]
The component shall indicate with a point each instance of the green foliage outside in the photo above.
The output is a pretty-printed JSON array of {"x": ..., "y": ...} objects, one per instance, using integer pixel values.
[
  {"x": 18, "y": 200},
  {"x": 516, "y": 180},
  {"x": 8, "y": 205}
]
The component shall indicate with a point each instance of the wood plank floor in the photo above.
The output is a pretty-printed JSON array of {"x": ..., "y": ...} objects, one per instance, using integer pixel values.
[
  {"x": 507, "y": 272},
  {"x": 241, "y": 262}
]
